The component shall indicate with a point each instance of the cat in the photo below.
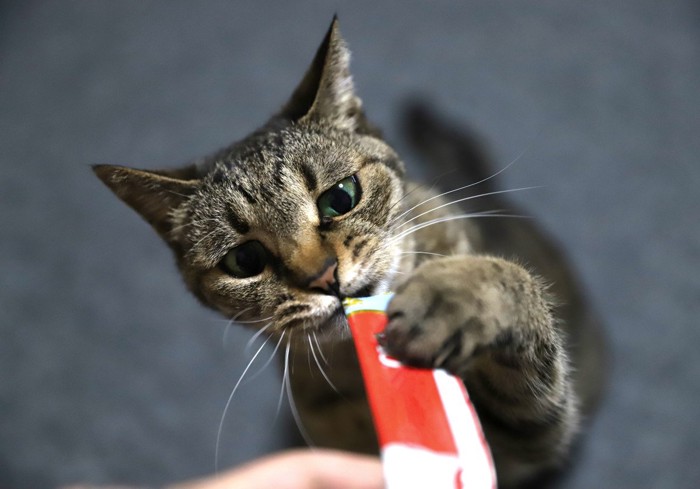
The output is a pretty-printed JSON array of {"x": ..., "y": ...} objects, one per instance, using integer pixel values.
[{"x": 313, "y": 207}]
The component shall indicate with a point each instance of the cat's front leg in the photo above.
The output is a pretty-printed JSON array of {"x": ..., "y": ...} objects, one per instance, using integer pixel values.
[{"x": 487, "y": 320}]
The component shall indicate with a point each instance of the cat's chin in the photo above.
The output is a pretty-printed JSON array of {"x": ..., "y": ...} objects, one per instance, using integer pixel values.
[{"x": 334, "y": 325}]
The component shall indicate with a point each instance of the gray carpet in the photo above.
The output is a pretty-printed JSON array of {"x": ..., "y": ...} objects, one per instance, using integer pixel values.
[{"x": 111, "y": 372}]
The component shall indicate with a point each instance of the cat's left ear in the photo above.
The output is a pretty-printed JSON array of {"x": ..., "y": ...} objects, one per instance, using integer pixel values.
[{"x": 326, "y": 94}]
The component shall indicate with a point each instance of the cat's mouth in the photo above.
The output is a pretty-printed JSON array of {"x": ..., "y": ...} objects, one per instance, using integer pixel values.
[
  {"x": 327, "y": 313},
  {"x": 334, "y": 314},
  {"x": 365, "y": 291}
]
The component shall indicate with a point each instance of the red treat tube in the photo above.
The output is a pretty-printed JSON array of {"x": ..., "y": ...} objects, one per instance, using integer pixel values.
[{"x": 429, "y": 434}]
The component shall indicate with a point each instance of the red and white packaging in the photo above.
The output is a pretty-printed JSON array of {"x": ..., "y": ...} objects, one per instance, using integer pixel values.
[{"x": 429, "y": 434}]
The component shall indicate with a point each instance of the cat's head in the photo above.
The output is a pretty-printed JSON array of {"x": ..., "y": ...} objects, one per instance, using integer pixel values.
[{"x": 286, "y": 222}]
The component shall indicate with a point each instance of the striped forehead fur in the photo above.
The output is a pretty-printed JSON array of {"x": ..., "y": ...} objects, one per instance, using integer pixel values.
[{"x": 272, "y": 178}]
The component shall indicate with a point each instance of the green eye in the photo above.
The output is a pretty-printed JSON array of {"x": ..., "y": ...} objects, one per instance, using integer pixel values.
[
  {"x": 246, "y": 260},
  {"x": 340, "y": 199}
]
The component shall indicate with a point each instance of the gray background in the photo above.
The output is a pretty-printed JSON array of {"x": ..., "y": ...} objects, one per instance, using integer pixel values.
[{"x": 111, "y": 372}]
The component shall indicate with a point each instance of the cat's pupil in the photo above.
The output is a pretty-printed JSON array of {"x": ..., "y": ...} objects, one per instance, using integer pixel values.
[
  {"x": 246, "y": 260},
  {"x": 339, "y": 199}
]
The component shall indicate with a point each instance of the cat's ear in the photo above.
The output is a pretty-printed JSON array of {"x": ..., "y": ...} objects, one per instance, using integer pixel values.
[
  {"x": 326, "y": 93},
  {"x": 155, "y": 195}
]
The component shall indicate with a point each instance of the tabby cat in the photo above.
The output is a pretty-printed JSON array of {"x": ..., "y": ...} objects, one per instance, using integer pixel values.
[{"x": 313, "y": 207}]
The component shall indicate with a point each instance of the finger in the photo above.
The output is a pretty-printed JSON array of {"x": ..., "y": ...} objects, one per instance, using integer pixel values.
[
  {"x": 333, "y": 469},
  {"x": 299, "y": 469}
]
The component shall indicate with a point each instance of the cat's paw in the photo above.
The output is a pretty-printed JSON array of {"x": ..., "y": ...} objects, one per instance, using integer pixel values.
[{"x": 451, "y": 308}]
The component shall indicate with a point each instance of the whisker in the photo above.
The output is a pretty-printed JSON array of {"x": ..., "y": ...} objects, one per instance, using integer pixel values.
[
  {"x": 441, "y": 219},
  {"x": 313, "y": 352},
  {"x": 228, "y": 404},
  {"x": 496, "y": 192},
  {"x": 292, "y": 405},
  {"x": 432, "y": 186},
  {"x": 234, "y": 320},
  {"x": 420, "y": 253},
  {"x": 494, "y": 175},
  {"x": 284, "y": 376},
  {"x": 394, "y": 239},
  {"x": 320, "y": 350},
  {"x": 253, "y": 321},
  {"x": 418, "y": 227},
  {"x": 405, "y": 196},
  {"x": 230, "y": 322},
  {"x": 257, "y": 334},
  {"x": 267, "y": 363},
  {"x": 308, "y": 357}
]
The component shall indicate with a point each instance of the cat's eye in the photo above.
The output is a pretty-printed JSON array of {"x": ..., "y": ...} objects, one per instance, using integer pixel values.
[
  {"x": 245, "y": 260},
  {"x": 340, "y": 199}
]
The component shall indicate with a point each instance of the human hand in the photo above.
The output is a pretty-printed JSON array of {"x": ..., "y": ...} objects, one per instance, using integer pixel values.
[{"x": 298, "y": 469}]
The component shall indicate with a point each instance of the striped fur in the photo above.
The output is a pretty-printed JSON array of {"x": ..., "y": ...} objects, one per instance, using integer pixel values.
[{"x": 456, "y": 306}]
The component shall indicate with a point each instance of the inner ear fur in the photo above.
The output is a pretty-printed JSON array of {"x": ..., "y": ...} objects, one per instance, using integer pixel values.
[
  {"x": 155, "y": 195},
  {"x": 326, "y": 94}
]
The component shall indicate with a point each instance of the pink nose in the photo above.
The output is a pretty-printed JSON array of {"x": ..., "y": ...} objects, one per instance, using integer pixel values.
[{"x": 326, "y": 279}]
